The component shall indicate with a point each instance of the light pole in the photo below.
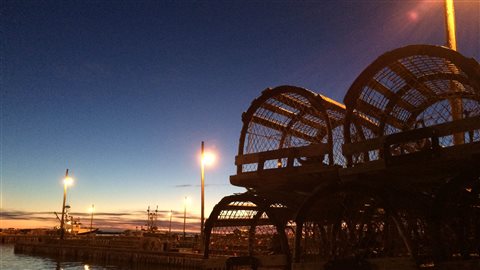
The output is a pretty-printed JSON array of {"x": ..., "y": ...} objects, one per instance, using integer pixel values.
[
  {"x": 202, "y": 173},
  {"x": 455, "y": 102},
  {"x": 92, "y": 209},
  {"x": 66, "y": 182},
  {"x": 450, "y": 25},
  {"x": 170, "y": 224},
  {"x": 206, "y": 159},
  {"x": 184, "y": 216}
]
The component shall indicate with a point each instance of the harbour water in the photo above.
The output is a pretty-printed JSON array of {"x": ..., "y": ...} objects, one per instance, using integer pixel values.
[{"x": 11, "y": 261}]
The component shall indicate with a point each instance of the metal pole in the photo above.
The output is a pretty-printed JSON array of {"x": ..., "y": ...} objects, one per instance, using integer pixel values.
[
  {"x": 62, "y": 221},
  {"x": 91, "y": 218},
  {"x": 170, "y": 226},
  {"x": 184, "y": 216},
  {"x": 455, "y": 103},
  {"x": 450, "y": 25},
  {"x": 202, "y": 169}
]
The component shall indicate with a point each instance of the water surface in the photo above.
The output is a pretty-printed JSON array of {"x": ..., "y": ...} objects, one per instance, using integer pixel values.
[{"x": 11, "y": 261}]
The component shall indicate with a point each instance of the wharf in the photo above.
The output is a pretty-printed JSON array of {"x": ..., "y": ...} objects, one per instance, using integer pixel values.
[
  {"x": 133, "y": 252},
  {"x": 125, "y": 251}
]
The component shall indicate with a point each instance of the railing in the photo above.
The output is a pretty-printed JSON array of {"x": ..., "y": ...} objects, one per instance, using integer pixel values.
[
  {"x": 422, "y": 142},
  {"x": 281, "y": 158}
]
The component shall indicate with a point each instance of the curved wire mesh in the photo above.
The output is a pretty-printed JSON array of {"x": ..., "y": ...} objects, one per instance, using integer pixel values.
[
  {"x": 230, "y": 234},
  {"x": 410, "y": 88},
  {"x": 285, "y": 120},
  {"x": 289, "y": 117},
  {"x": 240, "y": 227}
]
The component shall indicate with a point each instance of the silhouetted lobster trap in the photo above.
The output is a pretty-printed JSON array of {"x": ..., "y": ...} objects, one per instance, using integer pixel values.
[{"x": 390, "y": 178}]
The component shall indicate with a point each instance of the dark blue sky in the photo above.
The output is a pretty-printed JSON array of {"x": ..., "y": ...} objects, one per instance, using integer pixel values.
[{"x": 122, "y": 92}]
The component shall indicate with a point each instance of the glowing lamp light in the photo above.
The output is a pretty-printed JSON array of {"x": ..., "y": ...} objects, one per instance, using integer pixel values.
[
  {"x": 68, "y": 181},
  {"x": 91, "y": 209},
  {"x": 208, "y": 158}
]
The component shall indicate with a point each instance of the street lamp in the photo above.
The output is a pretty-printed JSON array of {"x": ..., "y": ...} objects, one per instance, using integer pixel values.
[
  {"x": 91, "y": 210},
  {"x": 206, "y": 159},
  {"x": 455, "y": 102},
  {"x": 170, "y": 224},
  {"x": 450, "y": 25},
  {"x": 67, "y": 181},
  {"x": 185, "y": 201}
]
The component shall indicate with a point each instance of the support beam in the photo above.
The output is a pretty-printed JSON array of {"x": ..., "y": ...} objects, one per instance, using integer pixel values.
[
  {"x": 380, "y": 88},
  {"x": 410, "y": 79},
  {"x": 278, "y": 126},
  {"x": 292, "y": 115},
  {"x": 379, "y": 114},
  {"x": 295, "y": 103}
]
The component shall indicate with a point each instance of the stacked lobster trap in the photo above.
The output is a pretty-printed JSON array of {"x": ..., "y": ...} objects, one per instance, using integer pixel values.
[{"x": 390, "y": 178}]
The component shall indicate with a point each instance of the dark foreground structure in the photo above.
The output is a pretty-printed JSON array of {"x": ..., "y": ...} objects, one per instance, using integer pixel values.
[
  {"x": 387, "y": 180},
  {"x": 390, "y": 180}
]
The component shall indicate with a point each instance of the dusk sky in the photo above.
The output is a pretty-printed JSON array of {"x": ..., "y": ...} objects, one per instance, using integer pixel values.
[{"x": 123, "y": 92}]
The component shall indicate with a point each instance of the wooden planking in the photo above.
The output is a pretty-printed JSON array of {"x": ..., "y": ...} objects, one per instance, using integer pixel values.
[
  {"x": 294, "y": 152},
  {"x": 460, "y": 151},
  {"x": 371, "y": 166},
  {"x": 440, "y": 130},
  {"x": 312, "y": 150},
  {"x": 410, "y": 135},
  {"x": 427, "y": 164},
  {"x": 471, "y": 123},
  {"x": 363, "y": 146},
  {"x": 286, "y": 178}
]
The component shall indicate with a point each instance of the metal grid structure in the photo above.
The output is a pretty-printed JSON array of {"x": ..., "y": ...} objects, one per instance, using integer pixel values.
[
  {"x": 356, "y": 222},
  {"x": 410, "y": 88},
  {"x": 247, "y": 225},
  {"x": 288, "y": 117},
  {"x": 367, "y": 181}
]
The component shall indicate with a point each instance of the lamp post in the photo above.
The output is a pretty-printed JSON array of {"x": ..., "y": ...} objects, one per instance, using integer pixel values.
[
  {"x": 206, "y": 159},
  {"x": 66, "y": 182},
  {"x": 92, "y": 209},
  {"x": 184, "y": 216},
  {"x": 170, "y": 224},
  {"x": 450, "y": 25},
  {"x": 202, "y": 173},
  {"x": 455, "y": 102}
]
